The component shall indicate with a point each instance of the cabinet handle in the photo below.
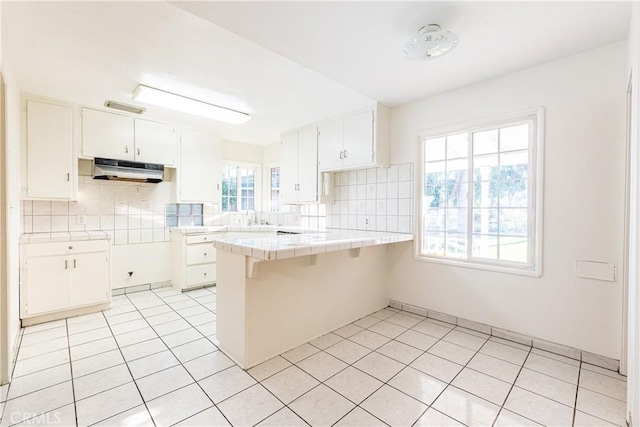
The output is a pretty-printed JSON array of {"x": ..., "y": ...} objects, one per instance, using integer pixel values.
[
  {"x": 70, "y": 247},
  {"x": 66, "y": 264},
  {"x": 126, "y": 149},
  {"x": 75, "y": 263},
  {"x": 138, "y": 151},
  {"x": 68, "y": 177},
  {"x": 345, "y": 153},
  {"x": 341, "y": 155},
  {"x": 205, "y": 274},
  {"x": 217, "y": 186},
  {"x": 205, "y": 254}
]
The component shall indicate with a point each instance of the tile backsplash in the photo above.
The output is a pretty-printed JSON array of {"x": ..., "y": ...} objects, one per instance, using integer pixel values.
[
  {"x": 376, "y": 199},
  {"x": 130, "y": 212}
]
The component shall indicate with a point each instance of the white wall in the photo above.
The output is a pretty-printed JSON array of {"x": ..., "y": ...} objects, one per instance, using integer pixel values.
[
  {"x": 633, "y": 315},
  {"x": 271, "y": 153},
  {"x": 583, "y": 203},
  {"x": 241, "y": 152}
]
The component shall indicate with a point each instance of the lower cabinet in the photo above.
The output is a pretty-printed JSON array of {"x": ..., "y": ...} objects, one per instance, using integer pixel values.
[
  {"x": 193, "y": 258},
  {"x": 63, "y": 276}
]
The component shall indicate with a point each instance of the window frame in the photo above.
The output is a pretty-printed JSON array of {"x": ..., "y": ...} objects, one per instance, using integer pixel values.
[
  {"x": 266, "y": 194},
  {"x": 257, "y": 184},
  {"x": 535, "y": 197}
]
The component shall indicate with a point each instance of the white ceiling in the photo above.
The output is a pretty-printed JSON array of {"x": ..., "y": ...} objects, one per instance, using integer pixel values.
[{"x": 286, "y": 63}]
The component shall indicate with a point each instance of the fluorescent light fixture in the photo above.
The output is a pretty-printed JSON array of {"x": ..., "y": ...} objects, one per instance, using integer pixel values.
[{"x": 161, "y": 98}]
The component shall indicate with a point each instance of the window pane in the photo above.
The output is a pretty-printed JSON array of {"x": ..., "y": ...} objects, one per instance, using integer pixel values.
[
  {"x": 457, "y": 146},
  {"x": 514, "y": 138},
  {"x": 435, "y": 149},
  {"x": 196, "y": 209},
  {"x": 434, "y": 196},
  {"x": 457, "y": 220},
  {"x": 485, "y": 142},
  {"x": 434, "y": 220},
  {"x": 485, "y": 221},
  {"x": 485, "y": 176},
  {"x": 456, "y": 245},
  {"x": 184, "y": 209},
  {"x": 171, "y": 209},
  {"x": 513, "y": 221},
  {"x": 485, "y": 247},
  {"x": 514, "y": 249},
  {"x": 433, "y": 244}
]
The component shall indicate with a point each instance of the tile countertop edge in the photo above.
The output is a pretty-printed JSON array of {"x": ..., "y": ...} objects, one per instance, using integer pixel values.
[
  {"x": 28, "y": 238},
  {"x": 287, "y": 250}
]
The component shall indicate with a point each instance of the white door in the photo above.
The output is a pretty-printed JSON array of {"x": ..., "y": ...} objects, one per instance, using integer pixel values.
[
  {"x": 330, "y": 145},
  {"x": 107, "y": 135},
  {"x": 289, "y": 168},
  {"x": 199, "y": 169},
  {"x": 45, "y": 287},
  {"x": 155, "y": 143},
  {"x": 308, "y": 165},
  {"x": 89, "y": 278},
  {"x": 49, "y": 150},
  {"x": 358, "y": 139}
]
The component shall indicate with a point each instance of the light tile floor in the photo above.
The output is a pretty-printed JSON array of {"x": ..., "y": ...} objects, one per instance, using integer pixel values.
[{"x": 152, "y": 359}]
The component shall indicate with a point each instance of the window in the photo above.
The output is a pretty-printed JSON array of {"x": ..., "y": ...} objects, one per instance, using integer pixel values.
[
  {"x": 183, "y": 214},
  {"x": 238, "y": 188},
  {"x": 479, "y": 204},
  {"x": 275, "y": 202}
]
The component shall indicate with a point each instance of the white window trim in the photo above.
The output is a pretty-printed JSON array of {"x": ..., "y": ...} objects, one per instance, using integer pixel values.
[
  {"x": 258, "y": 191},
  {"x": 535, "y": 207}
]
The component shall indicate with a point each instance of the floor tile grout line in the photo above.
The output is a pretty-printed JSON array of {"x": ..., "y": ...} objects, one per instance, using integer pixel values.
[
  {"x": 183, "y": 367},
  {"x": 134, "y": 383},
  {"x": 575, "y": 402},
  {"x": 510, "y": 390},
  {"x": 73, "y": 387}
]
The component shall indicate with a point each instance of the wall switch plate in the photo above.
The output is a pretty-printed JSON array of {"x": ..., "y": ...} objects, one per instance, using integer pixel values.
[{"x": 81, "y": 220}]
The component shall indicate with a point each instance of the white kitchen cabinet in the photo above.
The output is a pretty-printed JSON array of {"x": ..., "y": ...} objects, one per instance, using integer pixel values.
[
  {"x": 299, "y": 166},
  {"x": 199, "y": 171},
  {"x": 354, "y": 141},
  {"x": 155, "y": 142},
  {"x": 63, "y": 276},
  {"x": 193, "y": 259},
  {"x": 50, "y": 171},
  {"x": 115, "y": 136},
  {"x": 107, "y": 135}
]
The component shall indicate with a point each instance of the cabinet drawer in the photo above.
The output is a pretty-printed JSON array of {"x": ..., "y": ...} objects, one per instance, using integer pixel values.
[
  {"x": 200, "y": 254},
  {"x": 65, "y": 248},
  {"x": 200, "y": 238},
  {"x": 200, "y": 274}
]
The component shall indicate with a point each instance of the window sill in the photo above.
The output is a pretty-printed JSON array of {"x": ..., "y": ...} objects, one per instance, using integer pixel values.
[{"x": 536, "y": 272}]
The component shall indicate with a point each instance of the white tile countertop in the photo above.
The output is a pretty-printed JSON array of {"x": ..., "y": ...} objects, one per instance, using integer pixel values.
[
  {"x": 63, "y": 236},
  {"x": 271, "y": 248}
]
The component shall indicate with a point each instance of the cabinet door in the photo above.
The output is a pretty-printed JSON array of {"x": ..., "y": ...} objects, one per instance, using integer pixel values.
[
  {"x": 308, "y": 165},
  {"x": 45, "y": 287},
  {"x": 107, "y": 135},
  {"x": 358, "y": 139},
  {"x": 89, "y": 278},
  {"x": 49, "y": 151},
  {"x": 289, "y": 168},
  {"x": 155, "y": 143},
  {"x": 330, "y": 145},
  {"x": 199, "y": 169}
]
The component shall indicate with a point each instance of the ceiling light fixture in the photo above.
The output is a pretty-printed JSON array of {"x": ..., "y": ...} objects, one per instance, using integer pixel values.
[
  {"x": 430, "y": 42},
  {"x": 161, "y": 98}
]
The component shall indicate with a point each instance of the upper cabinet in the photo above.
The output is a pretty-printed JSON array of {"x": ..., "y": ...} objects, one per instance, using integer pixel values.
[
  {"x": 107, "y": 135},
  {"x": 354, "y": 141},
  {"x": 299, "y": 166},
  {"x": 199, "y": 170},
  {"x": 114, "y": 136},
  {"x": 50, "y": 166}
]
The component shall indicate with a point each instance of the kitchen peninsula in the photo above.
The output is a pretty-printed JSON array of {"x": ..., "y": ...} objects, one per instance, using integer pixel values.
[{"x": 276, "y": 292}]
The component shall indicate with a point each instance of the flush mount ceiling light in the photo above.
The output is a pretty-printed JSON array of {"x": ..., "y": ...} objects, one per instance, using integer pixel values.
[
  {"x": 430, "y": 42},
  {"x": 161, "y": 98}
]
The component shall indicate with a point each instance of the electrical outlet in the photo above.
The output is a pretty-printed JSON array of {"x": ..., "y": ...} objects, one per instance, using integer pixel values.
[
  {"x": 81, "y": 220},
  {"x": 366, "y": 222}
]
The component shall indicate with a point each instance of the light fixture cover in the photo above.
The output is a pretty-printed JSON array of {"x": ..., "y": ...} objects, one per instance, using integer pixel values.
[
  {"x": 161, "y": 98},
  {"x": 430, "y": 42}
]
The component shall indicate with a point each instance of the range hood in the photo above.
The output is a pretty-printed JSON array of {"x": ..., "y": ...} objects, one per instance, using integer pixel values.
[{"x": 125, "y": 170}]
